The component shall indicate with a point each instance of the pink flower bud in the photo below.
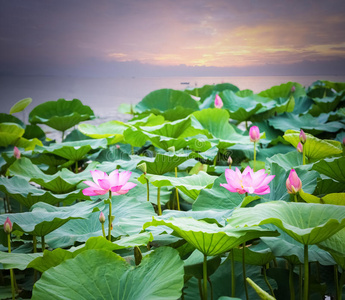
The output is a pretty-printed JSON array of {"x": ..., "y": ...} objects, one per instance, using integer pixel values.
[
  {"x": 117, "y": 146},
  {"x": 293, "y": 89},
  {"x": 302, "y": 137},
  {"x": 344, "y": 141},
  {"x": 8, "y": 226},
  {"x": 101, "y": 217},
  {"x": 16, "y": 152},
  {"x": 229, "y": 160},
  {"x": 218, "y": 103},
  {"x": 293, "y": 183},
  {"x": 300, "y": 147},
  {"x": 254, "y": 133}
]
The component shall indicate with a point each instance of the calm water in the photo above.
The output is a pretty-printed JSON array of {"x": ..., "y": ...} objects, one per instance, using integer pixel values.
[{"x": 104, "y": 95}]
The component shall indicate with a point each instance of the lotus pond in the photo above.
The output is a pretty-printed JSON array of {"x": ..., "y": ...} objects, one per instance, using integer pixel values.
[{"x": 210, "y": 193}]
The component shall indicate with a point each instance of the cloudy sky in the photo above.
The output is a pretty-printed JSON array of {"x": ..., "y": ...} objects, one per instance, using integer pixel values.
[{"x": 110, "y": 37}]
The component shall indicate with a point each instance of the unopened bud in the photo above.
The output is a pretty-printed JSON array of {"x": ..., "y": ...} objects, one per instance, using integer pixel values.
[
  {"x": 229, "y": 161},
  {"x": 16, "y": 152},
  {"x": 101, "y": 217},
  {"x": 300, "y": 147},
  {"x": 293, "y": 89},
  {"x": 218, "y": 103},
  {"x": 302, "y": 137},
  {"x": 254, "y": 134},
  {"x": 8, "y": 226},
  {"x": 117, "y": 146}
]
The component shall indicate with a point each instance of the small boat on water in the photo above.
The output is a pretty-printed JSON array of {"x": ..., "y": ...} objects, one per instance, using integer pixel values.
[{"x": 184, "y": 82}]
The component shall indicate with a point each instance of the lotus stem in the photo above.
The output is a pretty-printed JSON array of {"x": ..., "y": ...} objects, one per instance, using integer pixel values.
[
  {"x": 148, "y": 190},
  {"x": 200, "y": 290},
  {"x": 63, "y": 135},
  {"x": 267, "y": 282},
  {"x": 244, "y": 270},
  {"x": 76, "y": 167},
  {"x": 341, "y": 283},
  {"x": 303, "y": 153},
  {"x": 295, "y": 197},
  {"x": 103, "y": 231},
  {"x": 336, "y": 280},
  {"x": 204, "y": 269},
  {"x": 11, "y": 270},
  {"x": 34, "y": 245},
  {"x": 254, "y": 156},
  {"x": 300, "y": 282},
  {"x": 132, "y": 149},
  {"x": 43, "y": 243},
  {"x": 177, "y": 196},
  {"x": 211, "y": 287},
  {"x": 292, "y": 287},
  {"x": 109, "y": 218},
  {"x": 233, "y": 282},
  {"x": 159, "y": 201},
  {"x": 306, "y": 273}
]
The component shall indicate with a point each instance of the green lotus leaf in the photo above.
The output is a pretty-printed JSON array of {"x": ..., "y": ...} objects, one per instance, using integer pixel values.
[
  {"x": 73, "y": 151},
  {"x": 172, "y": 104},
  {"x": 328, "y": 186},
  {"x": 44, "y": 218},
  {"x": 284, "y": 91},
  {"x": 17, "y": 260},
  {"x": 10, "y": 133},
  {"x": 216, "y": 121},
  {"x": 209, "y": 238},
  {"x": 6, "y": 118},
  {"x": 258, "y": 255},
  {"x": 209, "y": 91},
  {"x": 130, "y": 215},
  {"x": 20, "y": 105},
  {"x": 338, "y": 86},
  {"x": 272, "y": 136},
  {"x": 293, "y": 251},
  {"x": 286, "y": 122},
  {"x": 57, "y": 256},
  {"x": 243, "y": 108},
  {"x": 217, "y": 198},
  {"x": 159, "y": 276},
  {"x": 326, "y": 104},
  {"x": 26, "y": 194},
  {"x": 150, "y": 120},
  {"x": 336, "y": 247},
  {"x": 112, "y": 130},
  {"x": 61, "y": 182},
  {"x": 287, "y": 161},
  {"x": 34, "y": 131},
  {"x": 331, "y": 167},
  {"x": 307, "y": 223},
  {"x": 314, "y": 148},
  {"x": 333, "y": 198},
  {"x": 61, "y": 114}
]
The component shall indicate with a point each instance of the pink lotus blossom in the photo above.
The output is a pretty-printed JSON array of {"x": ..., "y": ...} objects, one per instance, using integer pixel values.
[
  {"x": 293, "y": 183},
  {"x": 8, "y": 226},
  {"x": 302, "y": 137},
  {"x": 16, "y": 152},
  {"x": 248, "y": 181},
  {"x": 300, "y": 147},
  {"x": 254, "y": 133},
  {"x": 116, "y": 182},
  {"x": 218, "y": 103}
]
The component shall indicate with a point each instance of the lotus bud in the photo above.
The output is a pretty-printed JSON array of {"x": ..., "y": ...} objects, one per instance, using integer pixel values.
[
  {"x": 102, "y": 217},
  {"x": 142, "y": 167},
  {"x": 8, "y": 226},
  {"x": 254, "y": 134},
  {"x": 302, "y": 137},
  {"x": 229, "y": 161},
  {"x": 117, "y": 146},
  {"x": 16, "y": 152},
  {"x": 300, "y": 147},
  {"x": 344, "y": 141},
  {"x": 218, "y": 103},
  {"x": 293, "y": 89},
  {"x": 293, "y": 183}
]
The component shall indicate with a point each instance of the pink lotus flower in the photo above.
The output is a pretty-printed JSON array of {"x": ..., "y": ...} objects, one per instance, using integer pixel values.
[
  {"x": 16, "y": 152},
  {"x": 300, "y": 147},
  {"x": 302, "y": 137},
  {"x": 116, "y": 182},
  {"x": 218, "y": 103},
  {"x": 293, "y": 183},
  {"x": 248, "y": 181},
  {"x": 254, "y": 134},
  {"x": 8, "y": 226}
]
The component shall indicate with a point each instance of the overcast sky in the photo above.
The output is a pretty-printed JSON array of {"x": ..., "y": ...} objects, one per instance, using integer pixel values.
[{"x": 104, "y": 38}]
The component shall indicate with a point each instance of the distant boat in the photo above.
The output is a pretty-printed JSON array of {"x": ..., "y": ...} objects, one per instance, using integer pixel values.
[{"x": 184, "y": 82}]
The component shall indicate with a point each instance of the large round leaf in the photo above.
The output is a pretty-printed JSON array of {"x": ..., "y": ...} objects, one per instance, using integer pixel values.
[
  {"x": 61, "y": 114},
  {"x": 20, "y": 105},
  {"x": 10, "y": 133},
  {"x": 172, "y": 104},
  {"x": 209, "y": 91},
  {"x": 209, "y": 238},
  {"x": 332, "y": 167},
  {"x": 101, "y": 274},
  {"x": 307, "y": 223},
  {"x": 284, "y": 91}
]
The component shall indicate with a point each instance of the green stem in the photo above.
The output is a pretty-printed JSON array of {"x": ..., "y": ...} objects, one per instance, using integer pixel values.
[
  {"x": 254, "y": 156},
  {"x": 148, "y": 190},
  {"x": 246, "y": 125},
  {"x": 43, "y": 243},
  {"x": 204, "y": 269},
  {"x": 295, "y": 197},
  {"x": 11, "y": 270},
  {"x": 300, "y": 282},
  {"x": 215, "y": 160},
  {"x": 233, "y": 284},
  {"x": 109, "y": 218},
  {"x": 341, "y": 283},
  {"x": 103, "y": 231},
  {"x": 292, "y": 287},
  {"x": 244, "y": 270},
  {"x": 303, "y": 156},
  {"x": 159, "y": 201},
  {"x": 177, "y": 196},
  {"x": 132, "y": 149},
  {"x": 267, "y": 282},
  {"x": 200, "y": 290},
  {"x": 34, "y": 245},
  {"x": 306, "y": 273},
  {"x": 63, "y": 135},
  {"x": 76, "y": 167},
  {"x": 336, "y": 280}
]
